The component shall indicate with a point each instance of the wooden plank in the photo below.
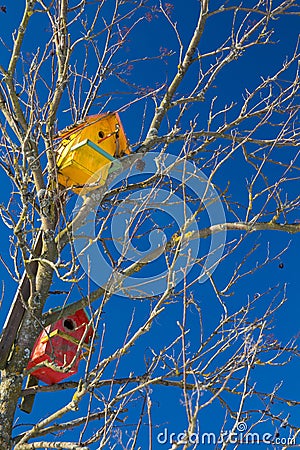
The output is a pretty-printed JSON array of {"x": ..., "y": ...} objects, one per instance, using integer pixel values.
[
  {"x": 17, "y": 309},
  {"x": 27, "y": 401}
]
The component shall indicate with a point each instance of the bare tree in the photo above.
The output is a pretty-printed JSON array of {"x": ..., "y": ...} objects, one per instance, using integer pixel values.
[{"x": 174, "y": 255}]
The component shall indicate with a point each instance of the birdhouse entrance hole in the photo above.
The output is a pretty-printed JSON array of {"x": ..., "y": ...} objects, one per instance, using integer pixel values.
[{"x": 69, "y": 324}]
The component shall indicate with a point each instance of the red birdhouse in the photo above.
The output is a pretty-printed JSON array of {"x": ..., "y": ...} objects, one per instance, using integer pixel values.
[{"x": 57, "y": 351}]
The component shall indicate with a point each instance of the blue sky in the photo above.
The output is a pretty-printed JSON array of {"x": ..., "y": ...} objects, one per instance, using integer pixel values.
[{"x": 151, "y": 37}]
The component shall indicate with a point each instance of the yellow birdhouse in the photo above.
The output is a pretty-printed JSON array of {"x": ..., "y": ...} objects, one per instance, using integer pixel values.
[{"x": 87, "y": 150}]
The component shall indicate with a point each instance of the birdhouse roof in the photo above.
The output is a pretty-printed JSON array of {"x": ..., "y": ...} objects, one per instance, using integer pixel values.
[{"x": 89, "y": 120}]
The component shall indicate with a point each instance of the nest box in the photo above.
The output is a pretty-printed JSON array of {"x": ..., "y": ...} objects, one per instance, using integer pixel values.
[
  {"x": 59, "y": 347},
  {"x": 87, "y": 150}
]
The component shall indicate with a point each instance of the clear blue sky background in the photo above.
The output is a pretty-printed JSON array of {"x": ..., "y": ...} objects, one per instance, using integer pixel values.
[{"x": 245, "y": 73}]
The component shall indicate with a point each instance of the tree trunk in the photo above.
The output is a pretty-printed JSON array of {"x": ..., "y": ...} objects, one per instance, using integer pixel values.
[
  {"x": 10, "y": 389},
  {"x": 13, "y": 375}
]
